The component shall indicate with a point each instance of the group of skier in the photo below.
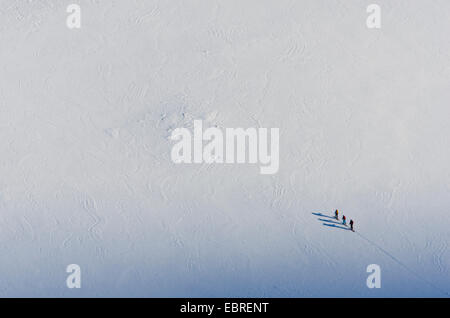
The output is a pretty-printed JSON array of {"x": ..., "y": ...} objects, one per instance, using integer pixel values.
[{"x": 344, "y": 220}]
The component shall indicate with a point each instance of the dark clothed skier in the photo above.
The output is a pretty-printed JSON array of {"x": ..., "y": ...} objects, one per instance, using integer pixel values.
[{"x": 351, "y": 225}]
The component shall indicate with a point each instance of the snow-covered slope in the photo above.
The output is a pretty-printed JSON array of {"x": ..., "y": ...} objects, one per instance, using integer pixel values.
[{"x": 86, "y": 175}]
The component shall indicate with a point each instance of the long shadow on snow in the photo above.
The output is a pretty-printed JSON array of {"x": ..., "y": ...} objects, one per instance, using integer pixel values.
[
  {"x": 330, "y": 221},
  {"x": 323, "y": 215},
  {"x": 334, "y": 225}
]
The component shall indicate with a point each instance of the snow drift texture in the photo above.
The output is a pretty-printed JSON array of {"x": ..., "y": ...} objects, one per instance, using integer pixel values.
[{"x": 85, "y": 169}]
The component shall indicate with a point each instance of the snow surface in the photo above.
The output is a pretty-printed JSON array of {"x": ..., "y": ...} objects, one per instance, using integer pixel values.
[{"x": 85, "y": 169}]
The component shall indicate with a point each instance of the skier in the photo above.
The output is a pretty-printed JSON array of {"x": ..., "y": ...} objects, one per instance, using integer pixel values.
[
  {"x": 351, "y": 225},
  {"x": 344, "y": 220},
  {"x": 336, "y": 214}
]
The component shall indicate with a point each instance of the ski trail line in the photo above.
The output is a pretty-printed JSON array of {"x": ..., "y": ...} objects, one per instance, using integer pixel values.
[{"x": 404, "y": 265}]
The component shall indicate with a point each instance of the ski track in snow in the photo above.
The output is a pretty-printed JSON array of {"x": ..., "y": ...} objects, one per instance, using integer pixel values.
[{"x": 406, "y": 267}]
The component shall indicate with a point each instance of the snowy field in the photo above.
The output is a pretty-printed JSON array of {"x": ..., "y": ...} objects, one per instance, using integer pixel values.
[{"x": 86, "y": 175}]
